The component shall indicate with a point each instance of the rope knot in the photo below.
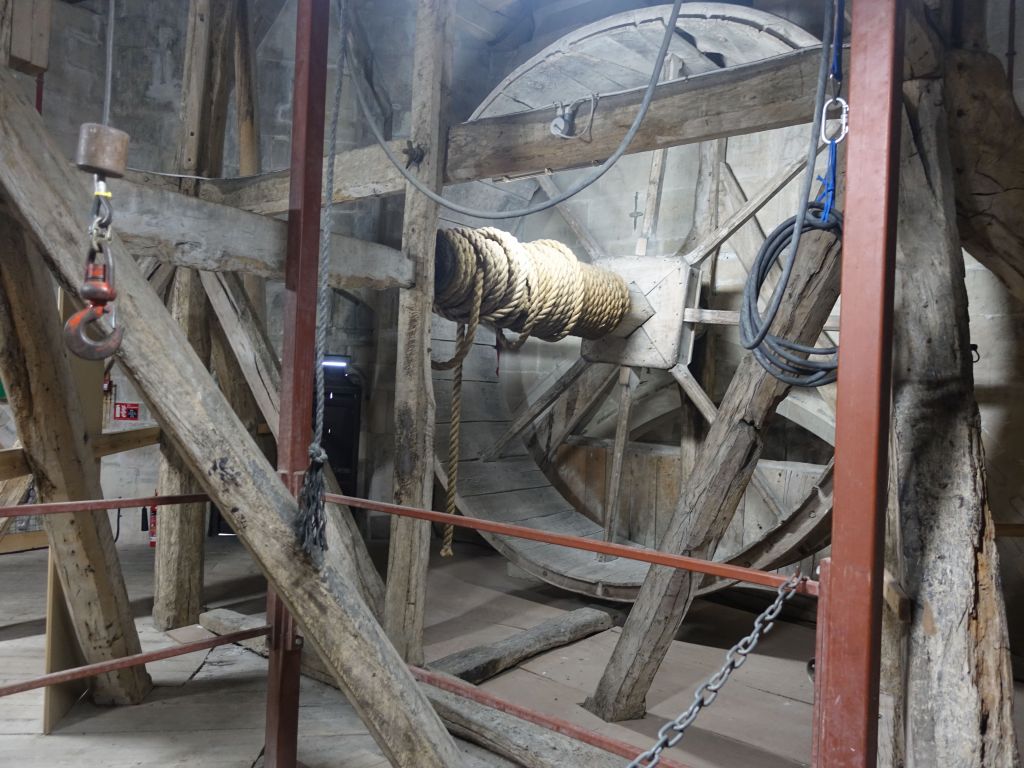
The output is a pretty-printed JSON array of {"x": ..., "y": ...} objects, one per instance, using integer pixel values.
[{"x": 317, "y": 454}]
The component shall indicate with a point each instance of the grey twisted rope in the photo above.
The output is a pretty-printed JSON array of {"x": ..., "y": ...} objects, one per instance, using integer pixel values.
[{"x": 312, "y": 518}]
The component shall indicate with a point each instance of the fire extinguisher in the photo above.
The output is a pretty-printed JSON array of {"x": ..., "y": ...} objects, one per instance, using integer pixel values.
[{"x": 152, "y": 526}]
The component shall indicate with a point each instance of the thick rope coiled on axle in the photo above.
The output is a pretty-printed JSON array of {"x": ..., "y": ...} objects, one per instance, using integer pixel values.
[{"x": 536, "y": 289}]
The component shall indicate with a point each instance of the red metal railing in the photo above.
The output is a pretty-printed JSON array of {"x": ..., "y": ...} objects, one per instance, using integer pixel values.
[{"x": 102, "y": 667}]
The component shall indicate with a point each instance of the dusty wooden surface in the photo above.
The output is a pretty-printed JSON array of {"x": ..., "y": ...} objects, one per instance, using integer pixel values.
[
  {"x": 234, "y": 472},
  {"x": 409, "y": 547},
  {"x": 45, "y": 406}
]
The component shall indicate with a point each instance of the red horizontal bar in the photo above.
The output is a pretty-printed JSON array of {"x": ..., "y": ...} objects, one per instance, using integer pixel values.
[
  {"x": 696, "y": 565},
  {"x": 93, "y": 505},
  {"x": 556, "y": 724},
  {"x": 103, "y": 667}
]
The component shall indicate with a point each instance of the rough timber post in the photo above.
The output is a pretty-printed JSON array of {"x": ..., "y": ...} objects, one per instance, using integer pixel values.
[
  {"x": 414, "y": 394},
  {"x": 178, "y": 582},
  {"x": 45, "y": 192},
  {"x": 725, "y": 464},
  {"x": 951, "y": 565},
  {"x": 44, "y": 403}
]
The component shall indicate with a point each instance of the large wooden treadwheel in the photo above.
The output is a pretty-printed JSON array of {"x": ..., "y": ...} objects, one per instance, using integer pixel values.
[{"x": 543, "y": 430}]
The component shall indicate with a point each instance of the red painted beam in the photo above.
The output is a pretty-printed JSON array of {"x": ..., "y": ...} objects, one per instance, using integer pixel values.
[
  {"x": 848, "y": 709},
  {"x": 298, "y": 352},
  {"x": 63, "y": 507}
]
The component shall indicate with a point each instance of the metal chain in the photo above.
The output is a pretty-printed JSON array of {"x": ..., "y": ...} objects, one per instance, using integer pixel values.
[{"x": 673, "y": 731}]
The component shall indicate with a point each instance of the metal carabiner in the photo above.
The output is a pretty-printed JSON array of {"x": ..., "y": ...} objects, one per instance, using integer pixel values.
[
  {"x": 75, "y": 334},
  {"x": 844, "y": 120}
]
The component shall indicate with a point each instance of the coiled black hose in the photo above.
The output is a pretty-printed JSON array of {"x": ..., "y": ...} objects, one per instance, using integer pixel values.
[{"x": 786, "y": 360}]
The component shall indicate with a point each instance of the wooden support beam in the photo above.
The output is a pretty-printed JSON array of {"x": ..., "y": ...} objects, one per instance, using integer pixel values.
[
  {"x": 44, "y": 403},
  {"x": 13, "y": 462},
  {"x": 189, "y": 232},
  {"x": 574, "y": 406},
  {"x": 178, "y": 566},
  {"x": 745, "y": 99},
  {"x": 725, "y": 463},
  {"x": 672, "y": 68},
  {"x": 247, "y": 338},
  {"x": 247, "y": 119},
  {"x": 950, "y": 561},
  {"x": 628, "y": 382},
  {"x": 531, "y": 410},
  {"x": 409, "y": 548},
  {"x": 6, "y": 11},
  {"x": 728, "y": 228},
  {"x": 30, "y": 35},
  {"x": 337, "y": 623},
  {"x": 729, "y": 317},
  {"x": 482, "y": 662}
]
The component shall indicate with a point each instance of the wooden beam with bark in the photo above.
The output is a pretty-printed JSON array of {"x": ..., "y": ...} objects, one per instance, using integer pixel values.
[
  {"x": 337, "y": 624},
  {"x": 409, "y": 547},
  {"x": 44, "y": 402},
  {"x": 725, "y": 464}
]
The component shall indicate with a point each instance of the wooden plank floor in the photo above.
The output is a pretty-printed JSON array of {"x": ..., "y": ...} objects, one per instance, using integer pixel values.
[{"x": 208, "y": 707}]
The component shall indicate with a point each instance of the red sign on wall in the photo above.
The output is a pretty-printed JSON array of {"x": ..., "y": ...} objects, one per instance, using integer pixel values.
[{"x": 126, "y": 411}]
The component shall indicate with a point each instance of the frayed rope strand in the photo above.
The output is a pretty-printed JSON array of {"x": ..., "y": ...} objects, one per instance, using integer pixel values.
[{"x": 311, "y": 523}]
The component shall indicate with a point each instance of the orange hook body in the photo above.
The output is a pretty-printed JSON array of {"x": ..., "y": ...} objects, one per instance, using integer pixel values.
[{"x": 98, "y": 291}]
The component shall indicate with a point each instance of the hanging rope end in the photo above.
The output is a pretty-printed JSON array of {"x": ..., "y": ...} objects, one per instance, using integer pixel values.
[{"x": 311, "y": 523}]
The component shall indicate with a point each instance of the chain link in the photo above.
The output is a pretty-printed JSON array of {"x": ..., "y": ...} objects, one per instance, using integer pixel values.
[{"x": 672, "y": 732}]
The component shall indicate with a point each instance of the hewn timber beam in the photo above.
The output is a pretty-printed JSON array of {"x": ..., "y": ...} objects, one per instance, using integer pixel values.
[
  {"x": 45, "y": 405},
  {"x": 47, "y": 193},
  {"x": 746, "y": 99},
  {"x": 725, "y": 465},
  {"x": 13, "y": 462},
  {"x": 189, "y": 232},
  {"x": 409, "y": 547}
]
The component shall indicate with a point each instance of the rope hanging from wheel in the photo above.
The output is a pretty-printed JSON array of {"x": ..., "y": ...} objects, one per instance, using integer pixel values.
[
  {"x": 534, "y": 289},
  {"x": 797, "y": 364}
]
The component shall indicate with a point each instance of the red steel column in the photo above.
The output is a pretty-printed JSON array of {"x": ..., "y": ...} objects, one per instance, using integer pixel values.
[
  {"x": 297, "y": 358},
  {"x": 847, "y": 716}
]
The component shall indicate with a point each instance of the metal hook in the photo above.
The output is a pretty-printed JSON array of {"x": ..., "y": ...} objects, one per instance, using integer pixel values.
[{"x": 75, "y": 334}]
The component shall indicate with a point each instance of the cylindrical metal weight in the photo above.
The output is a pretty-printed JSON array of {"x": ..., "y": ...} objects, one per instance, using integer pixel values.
[{"x": 102, "y": 150}]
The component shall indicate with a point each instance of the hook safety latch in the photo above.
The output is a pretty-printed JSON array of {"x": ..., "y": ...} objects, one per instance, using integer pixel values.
[{"x": 98, "y": 290}]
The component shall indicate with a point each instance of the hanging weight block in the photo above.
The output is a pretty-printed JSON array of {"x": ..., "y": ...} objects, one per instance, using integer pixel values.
[{"x": 102, "y": 150}]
